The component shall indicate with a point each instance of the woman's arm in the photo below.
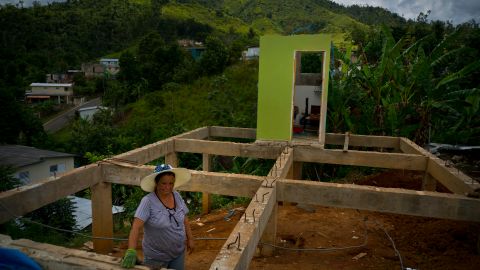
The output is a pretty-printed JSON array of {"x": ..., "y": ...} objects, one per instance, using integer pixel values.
[
  {"x": 134, "y": 233},
  {"x": 188, "y": 232},
  {"x": 130, "y": 257}
]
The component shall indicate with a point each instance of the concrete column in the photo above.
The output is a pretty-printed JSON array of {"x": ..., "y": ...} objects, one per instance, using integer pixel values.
[{"x": 102, "y": 218}]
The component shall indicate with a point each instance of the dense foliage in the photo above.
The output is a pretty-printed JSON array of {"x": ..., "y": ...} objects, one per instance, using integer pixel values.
[{"x": 425, "y": 89}]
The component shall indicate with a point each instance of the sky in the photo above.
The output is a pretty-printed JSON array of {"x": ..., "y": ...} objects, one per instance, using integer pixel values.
[{"x": 455, "y": 11}]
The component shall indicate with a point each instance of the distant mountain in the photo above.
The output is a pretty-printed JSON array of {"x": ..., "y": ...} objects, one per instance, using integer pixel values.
[
  {"x": 281, "y": 16},
  {"x": 28, "y": 3}
]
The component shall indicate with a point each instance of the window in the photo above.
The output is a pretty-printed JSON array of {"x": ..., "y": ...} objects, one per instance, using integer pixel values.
[
  {"x": 24, "y": 177},
  {"x": 56, "y": 169}
]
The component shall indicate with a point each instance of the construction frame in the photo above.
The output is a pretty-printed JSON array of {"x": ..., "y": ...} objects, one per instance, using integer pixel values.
[{"x": 283, "y": 183}]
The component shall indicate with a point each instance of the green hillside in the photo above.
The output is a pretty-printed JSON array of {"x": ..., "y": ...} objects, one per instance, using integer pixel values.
[{"x": 204, "y": 15}]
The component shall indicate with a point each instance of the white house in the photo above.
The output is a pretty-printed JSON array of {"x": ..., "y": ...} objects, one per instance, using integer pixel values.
[
  {"x": 252, "y": 53},
  {"x": 61, "y": 92},
  {"x": 32, "y": 164}
]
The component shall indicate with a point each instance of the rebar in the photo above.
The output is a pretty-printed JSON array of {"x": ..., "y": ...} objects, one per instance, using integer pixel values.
[{"x": 263, "y": 196}]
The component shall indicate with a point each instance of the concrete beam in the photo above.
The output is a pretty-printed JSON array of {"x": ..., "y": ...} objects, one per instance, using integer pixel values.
[
  {"x": 363, "y": 140},
  {"x": 231, "y": 132},
  {"x": 258, "y": 216},
  {"x": 158, "y": 149},
  {"x": 227, "y": 148},
  {"x": 388, "y": 200},
  {"x": 360, "y": 158},
  {"x": 61, "y": 258},
  {"x": 25, "y": 199},
  {"x": 453, "y": 179},
  {"x": 212, "y": 182}
]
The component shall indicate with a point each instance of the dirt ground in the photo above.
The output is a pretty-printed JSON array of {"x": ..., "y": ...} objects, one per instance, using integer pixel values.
[{"x": 423, "y": 243}]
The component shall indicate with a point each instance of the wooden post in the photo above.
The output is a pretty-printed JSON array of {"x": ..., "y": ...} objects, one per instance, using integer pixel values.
[
  {"x": 102, "y": 218},
  {"x": 206, "y": 199}
]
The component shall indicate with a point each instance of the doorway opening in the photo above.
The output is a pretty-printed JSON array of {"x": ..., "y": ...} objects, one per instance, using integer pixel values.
[{"x": 307, "y": 93}]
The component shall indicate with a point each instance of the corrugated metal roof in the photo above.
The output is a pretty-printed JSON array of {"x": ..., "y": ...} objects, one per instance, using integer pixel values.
[
  {"x": 52, "y": 84},
  {"x": 83, "y": 211},
  {"x": 109, "y": 60},
  {"x": 20, "y": 155}
]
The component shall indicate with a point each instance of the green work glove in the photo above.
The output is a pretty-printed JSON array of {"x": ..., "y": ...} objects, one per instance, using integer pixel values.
[{"x": 130, "y": 258}]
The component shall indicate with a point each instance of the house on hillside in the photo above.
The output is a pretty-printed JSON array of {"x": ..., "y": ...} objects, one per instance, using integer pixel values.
[
  {"x": 32, "y": 164},
  {"x": 93, "y": 70},
  {"x": 61, "y": 93},
  {"x": 111, "y": 65},
  {"x": 66, "y": 77},
  {"x": 251, "y": 53},
  {"x": 195, "y": 48}
]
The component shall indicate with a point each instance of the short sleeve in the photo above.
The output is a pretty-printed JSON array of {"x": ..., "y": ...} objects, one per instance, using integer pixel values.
[{"x": 143, "y": 210}]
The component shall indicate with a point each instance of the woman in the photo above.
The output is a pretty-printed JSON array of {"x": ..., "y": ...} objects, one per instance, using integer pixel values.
[{"x": 163, "y": 216}]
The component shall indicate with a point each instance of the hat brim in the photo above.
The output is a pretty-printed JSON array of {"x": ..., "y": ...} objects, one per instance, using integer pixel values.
[{"x": 182, "y": 176}]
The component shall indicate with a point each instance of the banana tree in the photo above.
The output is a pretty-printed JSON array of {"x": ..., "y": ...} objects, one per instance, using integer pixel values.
[{"x": 410, "y": 88}]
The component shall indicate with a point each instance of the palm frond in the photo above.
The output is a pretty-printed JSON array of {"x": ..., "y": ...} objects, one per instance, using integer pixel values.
[{"x": 459, "y": 74}]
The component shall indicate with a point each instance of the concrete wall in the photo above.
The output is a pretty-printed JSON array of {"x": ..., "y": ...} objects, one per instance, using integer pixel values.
[{"x": 276, "y": 81}]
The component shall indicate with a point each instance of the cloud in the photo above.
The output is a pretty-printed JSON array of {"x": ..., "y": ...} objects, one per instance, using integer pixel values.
[{"x": 457, "y": 11}]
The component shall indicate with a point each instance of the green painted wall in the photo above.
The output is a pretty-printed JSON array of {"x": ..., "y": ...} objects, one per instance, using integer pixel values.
[{"x": 276, "y": 81}]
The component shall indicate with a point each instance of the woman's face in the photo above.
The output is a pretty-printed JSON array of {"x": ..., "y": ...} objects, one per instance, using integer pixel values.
[{"x": 165, "y": 184}]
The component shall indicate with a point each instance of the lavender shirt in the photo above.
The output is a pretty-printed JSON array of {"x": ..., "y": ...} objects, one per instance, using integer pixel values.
[{"x": 164, "y": 230}]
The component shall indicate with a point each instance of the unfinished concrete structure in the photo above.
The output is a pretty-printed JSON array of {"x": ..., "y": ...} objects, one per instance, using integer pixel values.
[
  {"x": 281, "y": 184},
  {"x": 271, "y": 140}
]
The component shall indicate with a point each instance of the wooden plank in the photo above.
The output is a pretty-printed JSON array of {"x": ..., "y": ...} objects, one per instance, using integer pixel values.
[
  {"x": 389, "y": 200},
  {"x": 453, "y": 179},
  {"x": 62, "y": 258},
  {"x": 249, "y": 228},
  {"x": 102, "y": 217},
  {"x": 227, "y": 148},
  {"x": 212, "y": 182},
  {"x": 231, "y": 132},
  {"x": 206, "y": 198},
  {"x": 363, "y": 140},
  {"x": 361, "y": 158},
  {"x": 25, "y": 199}
]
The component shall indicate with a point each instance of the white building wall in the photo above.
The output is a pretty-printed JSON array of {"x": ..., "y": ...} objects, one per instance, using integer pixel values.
[
  {"x": 306, "y": 91},
  {"x": 40, "y": 171}
]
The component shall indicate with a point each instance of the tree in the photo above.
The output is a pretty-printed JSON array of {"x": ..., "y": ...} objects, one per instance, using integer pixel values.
[
  {"x": 215, "y": 58},
  {"x": 7, "y": 181}
]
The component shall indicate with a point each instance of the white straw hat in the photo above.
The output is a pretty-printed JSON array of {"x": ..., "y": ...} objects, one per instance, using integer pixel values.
[{"x": 182, "y": 176}]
